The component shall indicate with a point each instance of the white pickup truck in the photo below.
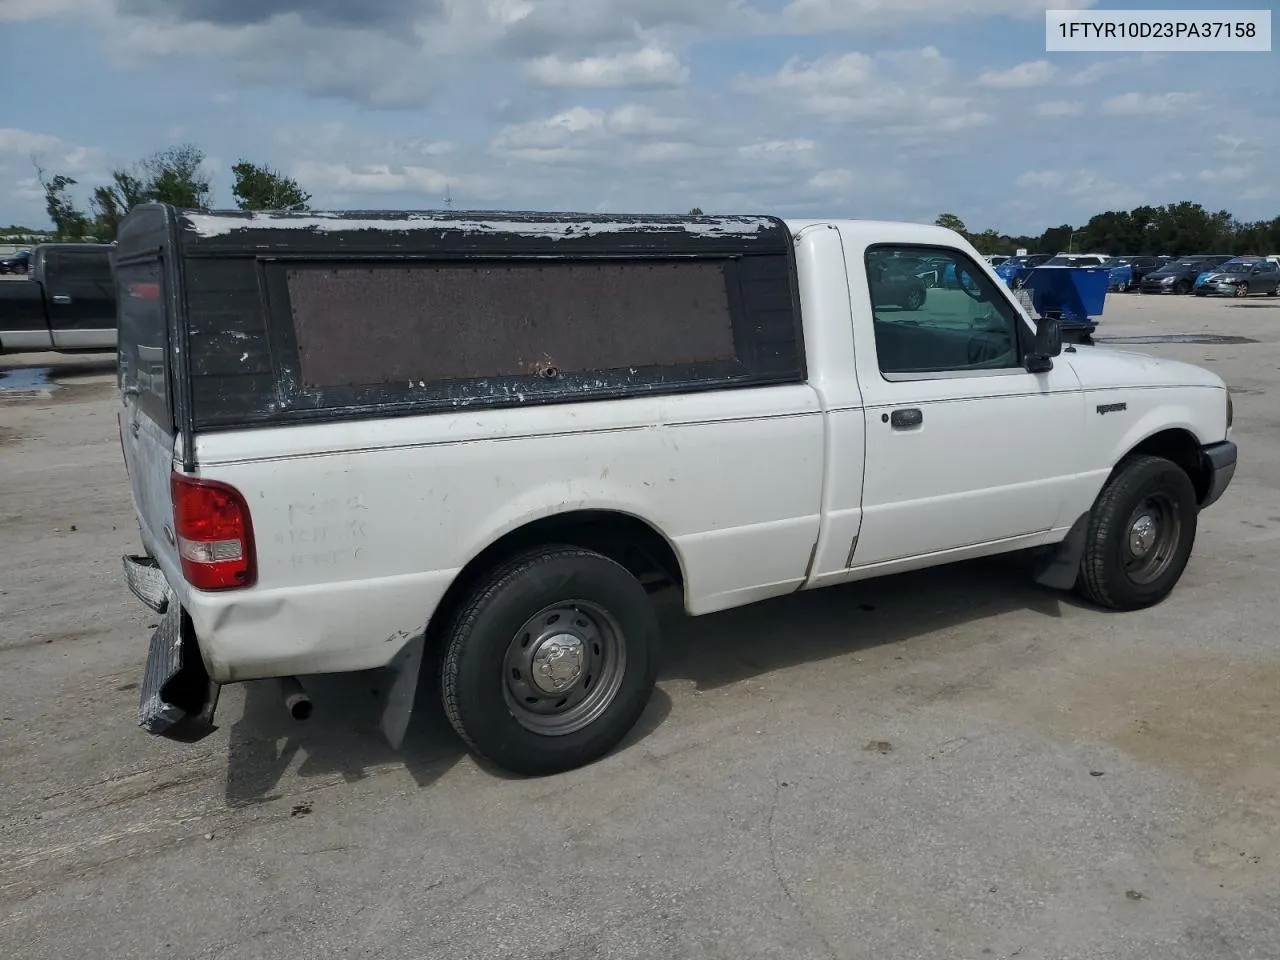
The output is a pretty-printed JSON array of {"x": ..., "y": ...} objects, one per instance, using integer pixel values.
[{"x": 384, "y": 440}]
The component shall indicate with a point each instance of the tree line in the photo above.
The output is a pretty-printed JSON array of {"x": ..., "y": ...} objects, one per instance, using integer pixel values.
[
  {"x": 175, "y": 175},
  {"x": 1176, "y": 229}
]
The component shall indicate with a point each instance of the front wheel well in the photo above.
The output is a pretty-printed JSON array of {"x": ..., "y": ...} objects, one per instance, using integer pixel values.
[
  {"x": 1181, "y": 447},
  {"x": 623, "y": 538}
]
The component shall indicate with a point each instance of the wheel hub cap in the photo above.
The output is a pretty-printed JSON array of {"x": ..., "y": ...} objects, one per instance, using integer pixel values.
[
  {"x": 1142, "y": 535},
  {"x": 558, "y": 663}
]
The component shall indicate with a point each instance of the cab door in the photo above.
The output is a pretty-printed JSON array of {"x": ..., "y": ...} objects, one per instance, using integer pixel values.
[
  {"x": 966, "y": 452},
  {"x": 81, "y": 299}
]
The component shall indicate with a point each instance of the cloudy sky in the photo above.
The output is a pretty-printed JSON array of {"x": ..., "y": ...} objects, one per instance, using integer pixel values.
[{"x": 896, "y": 109}]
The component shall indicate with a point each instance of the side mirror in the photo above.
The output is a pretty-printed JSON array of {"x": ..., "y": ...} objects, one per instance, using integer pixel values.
[{"x": 1048, "y": 344}]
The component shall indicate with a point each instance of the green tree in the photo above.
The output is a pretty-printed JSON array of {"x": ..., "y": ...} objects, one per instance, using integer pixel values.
[
  {"x": 69, "y": 222},
  {"x": 950, "y": 221},
  {"x": 696, "y": 212},
  {"x": 175, "y": 175},
  {"x": 261, "y": 188},
  {"x": 111, "y": 202}
]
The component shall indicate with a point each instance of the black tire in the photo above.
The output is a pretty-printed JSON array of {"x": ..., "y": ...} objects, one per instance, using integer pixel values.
[
  {"x": 1111, "y": 572},
  {"x": 1182, "y": 287},
  {"x": 1275, "y": 291},
  {"x": 488, "y": 629}
]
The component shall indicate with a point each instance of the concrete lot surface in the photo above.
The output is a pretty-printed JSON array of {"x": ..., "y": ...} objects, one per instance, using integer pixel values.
[{"x": 954, "y": 764}]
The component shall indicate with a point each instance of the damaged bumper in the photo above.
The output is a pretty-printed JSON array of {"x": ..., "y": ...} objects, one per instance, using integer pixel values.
[{"x": 177, "y": 698}]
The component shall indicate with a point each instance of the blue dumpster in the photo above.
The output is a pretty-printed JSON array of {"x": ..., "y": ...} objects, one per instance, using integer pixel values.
[{"x": 1076, "y": 294}]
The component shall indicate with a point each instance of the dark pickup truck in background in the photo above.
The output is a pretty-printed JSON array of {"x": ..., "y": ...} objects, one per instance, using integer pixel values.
[{"x": 67, "y": 303}]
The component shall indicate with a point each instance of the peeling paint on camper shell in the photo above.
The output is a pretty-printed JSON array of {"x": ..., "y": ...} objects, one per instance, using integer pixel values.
[{"x": 553, "y": 227}]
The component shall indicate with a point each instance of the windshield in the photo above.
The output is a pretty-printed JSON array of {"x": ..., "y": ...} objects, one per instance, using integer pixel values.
[
  {"x": 1239, "y": 267},
  {"x": 1115, "y": 262}
]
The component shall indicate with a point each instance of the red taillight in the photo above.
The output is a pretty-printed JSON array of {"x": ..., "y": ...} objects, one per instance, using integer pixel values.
[{"x": 214, "y": 534}]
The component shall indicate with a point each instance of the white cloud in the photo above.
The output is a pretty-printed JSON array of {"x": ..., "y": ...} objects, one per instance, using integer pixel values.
[
  {"x": 1033, "y": 73},
  {"x": 1150, "y": 104},
  {"x": 1228, "y": 174},
  {"x": 648, "y": 67},
  {"x": 904, "y": 93},
  {"x": 374, "y": 178},
  {"x": 820, "y": 15},
  {"x": 636, "y": 119},
  {"x": 780, "y": 151},
  {"x": 1099, "y": 191},
  {"x": 25, "y": 142},
  {"x": 1058, "y": 108},
  {"x": 834, "y": 180}
]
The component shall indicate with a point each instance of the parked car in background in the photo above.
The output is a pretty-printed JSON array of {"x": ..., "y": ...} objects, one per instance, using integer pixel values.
[
  {"x": 1179, "y": 276},
  {"x": 67, "y": 303},
  {"x": 1240, "y": 278},
  {"x": 1213, "y": 264},
  {"x": 1076, "y": 260},
  {"x": 1119, "y": 274},
  {"x": 1140, "y": 267},
  {"x": 15, "y": 262},
  {"x": 1014, "y": 270},
  {"x": 995, "y": 259}
]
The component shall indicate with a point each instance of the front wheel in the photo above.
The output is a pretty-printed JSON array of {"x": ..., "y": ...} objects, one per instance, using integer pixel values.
[
  {"x": 1140, "y": 535},
  {"x": 551, "y": 661},
  {"x": 1182, "y": 286},
  {"x": 1242, "y": 289}
]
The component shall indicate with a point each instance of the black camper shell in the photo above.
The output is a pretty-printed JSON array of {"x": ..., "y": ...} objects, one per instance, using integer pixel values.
[{"x": 274, "y": 318}]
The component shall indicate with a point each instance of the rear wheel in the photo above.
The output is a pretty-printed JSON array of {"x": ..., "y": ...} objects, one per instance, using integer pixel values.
[
  {"x": 1182, "y": 286},
  {"x": 1140, "y": 535},
  {"x": 551, "y": 660},
  {"x": 914, "y": 298}
]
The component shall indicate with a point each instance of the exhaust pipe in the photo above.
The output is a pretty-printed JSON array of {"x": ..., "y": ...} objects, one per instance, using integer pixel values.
[{"x": 296, "y": 700}]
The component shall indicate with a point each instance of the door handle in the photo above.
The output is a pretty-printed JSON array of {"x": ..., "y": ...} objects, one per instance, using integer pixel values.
[
  {"x": 61, "y": 298},
  {"x": 906, "y": 419}
]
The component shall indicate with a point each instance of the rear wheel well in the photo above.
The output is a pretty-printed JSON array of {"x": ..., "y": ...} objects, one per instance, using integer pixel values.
[
  {"x": 625, "y": 539},
  {"x": 1181, "y": 447}
]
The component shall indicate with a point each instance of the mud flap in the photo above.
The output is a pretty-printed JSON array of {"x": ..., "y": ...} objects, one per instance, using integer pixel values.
[
  {"x": 1061, "y": 566},
  {"x": 177, "y": 698},
  {"x": 397, "y": 706}
]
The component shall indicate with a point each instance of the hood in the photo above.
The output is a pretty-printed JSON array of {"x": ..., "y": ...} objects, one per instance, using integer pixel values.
[{"x": 1102, "y": 367}]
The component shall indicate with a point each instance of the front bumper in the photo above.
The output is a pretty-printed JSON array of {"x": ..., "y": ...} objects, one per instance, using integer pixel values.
[
  {"x": 1156, "y": 287},
  {"x": 177, "y": 698},
  {"x": 1228, "y": 289},
  {"x": 1220, "y": 465}
]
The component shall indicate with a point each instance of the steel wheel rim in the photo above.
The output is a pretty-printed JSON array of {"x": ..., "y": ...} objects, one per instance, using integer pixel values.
[
  {"x": 1242, "y": 290},
  {"x": 1151, "y": 539},
  {"x": 563, "y": 668}
]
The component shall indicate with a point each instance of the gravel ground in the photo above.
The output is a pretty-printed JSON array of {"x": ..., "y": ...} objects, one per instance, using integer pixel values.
[{"x": 947, "y": 764}]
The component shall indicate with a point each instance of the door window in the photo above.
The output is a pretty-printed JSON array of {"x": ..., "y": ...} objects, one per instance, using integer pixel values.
[
  {"x": 960, "y": 324},
  {"x": 143, "y": 359}
]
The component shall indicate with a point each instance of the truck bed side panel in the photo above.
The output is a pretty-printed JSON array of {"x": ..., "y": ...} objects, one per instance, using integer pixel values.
[{"x": 360, "y": 527}]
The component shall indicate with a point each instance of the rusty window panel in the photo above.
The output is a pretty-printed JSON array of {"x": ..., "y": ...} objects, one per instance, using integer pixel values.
[{"x": 378, "y": 324}]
